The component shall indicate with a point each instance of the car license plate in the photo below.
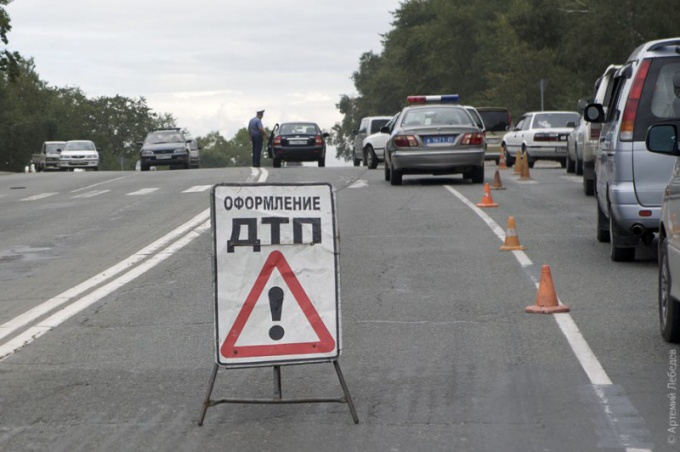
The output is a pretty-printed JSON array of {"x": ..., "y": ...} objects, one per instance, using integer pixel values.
[
  {"x": 297, "y": 142},
  {"x": 439, "y": 139},
  {"x": 163, "y": 156}
]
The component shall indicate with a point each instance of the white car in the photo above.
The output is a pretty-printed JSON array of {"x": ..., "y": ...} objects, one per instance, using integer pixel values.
[
  {"x": 374, "y": 146},
  {"x": 79, "y": 154},
  {"x": 540, "y": 135}
]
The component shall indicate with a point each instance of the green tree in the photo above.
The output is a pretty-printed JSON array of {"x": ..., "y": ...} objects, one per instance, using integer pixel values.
[{"x": 9, "y": 61}]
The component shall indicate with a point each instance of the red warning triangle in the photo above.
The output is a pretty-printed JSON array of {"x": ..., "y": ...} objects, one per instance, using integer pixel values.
[{"x": 325, "y": 344}]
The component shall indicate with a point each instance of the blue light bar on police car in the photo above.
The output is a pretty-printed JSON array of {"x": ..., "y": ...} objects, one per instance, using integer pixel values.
[{"x": 441, "y": 99}]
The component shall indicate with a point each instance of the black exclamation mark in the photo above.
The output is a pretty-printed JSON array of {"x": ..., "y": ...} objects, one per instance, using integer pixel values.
[{"x": 276, "y": 306}]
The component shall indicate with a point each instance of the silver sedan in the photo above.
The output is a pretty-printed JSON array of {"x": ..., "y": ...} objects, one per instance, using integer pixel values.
[{"x": 433, "y": 136}]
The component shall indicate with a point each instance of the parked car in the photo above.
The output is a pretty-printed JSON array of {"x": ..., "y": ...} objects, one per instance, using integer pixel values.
[
  {"x": 297, "y": 142},
  {"x": 48, "y": 158},
  {"x": 497, "y": 122},
  {"x": 587, "y": 134},
  {"x": 433, "y": 135},
  {"x": 663, "y": 139},
  {"x": 169, "y": 147},
  {"x": 374, "y": 145},
  {"x": 79, "y": 154},
  {"x": 368, "y": 126},
  {"x": 577, "y": 135},
  {"x": 629, "y": 181},
  {"x": 540, "y": 135}
]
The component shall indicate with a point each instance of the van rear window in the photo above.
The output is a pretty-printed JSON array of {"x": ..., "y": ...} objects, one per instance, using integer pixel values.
[
  {"x": 495, "y": 120},
  {"x": 659, "y": 100}
]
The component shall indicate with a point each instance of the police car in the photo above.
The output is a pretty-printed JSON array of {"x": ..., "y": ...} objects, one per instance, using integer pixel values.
[{"x": 433, "y": 135}]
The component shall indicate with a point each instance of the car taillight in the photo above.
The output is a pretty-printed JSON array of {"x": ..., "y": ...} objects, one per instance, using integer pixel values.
[
  {"x": 317, "y": 140},
  {"x": 277, "y": 141},
  {"x": 405, "y": 141},
  {"x": 594, "y": 132},
  {"x": 472, "y": 138},
  {"x": 546, "y": 136},
  {"x": 630, "y": 111}
]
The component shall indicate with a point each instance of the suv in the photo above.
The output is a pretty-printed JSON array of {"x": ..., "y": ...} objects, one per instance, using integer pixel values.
[
  {"x": 497, "y": 121},
  {"x": 583, "y": 141},
  {"x": 368, "y": 126},
  {"x": 629, "y": 181},
  {"x": 169, "y": 147}
]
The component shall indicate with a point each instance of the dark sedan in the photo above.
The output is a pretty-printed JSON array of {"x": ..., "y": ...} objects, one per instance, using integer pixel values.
[{"x": 297, "y": 142}]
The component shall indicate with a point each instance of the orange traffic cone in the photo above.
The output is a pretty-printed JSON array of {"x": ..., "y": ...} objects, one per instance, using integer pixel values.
[
  {"x": 487, "y": 200},
  {"x": 511, "y": 240},
  {"x": 518, "y": 163},
  {"x": 525, "y": 175},
  {"x": 546, "y": 297},
  {"x": 501, "y": 160},
  {"x": 496, "y": 184}
]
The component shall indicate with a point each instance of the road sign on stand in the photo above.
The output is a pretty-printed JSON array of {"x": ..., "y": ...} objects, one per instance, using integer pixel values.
[{"x": 276, "y": 284}]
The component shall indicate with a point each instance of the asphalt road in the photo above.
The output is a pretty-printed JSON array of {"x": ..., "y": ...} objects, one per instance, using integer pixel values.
[{"x": 438, "y": 353}]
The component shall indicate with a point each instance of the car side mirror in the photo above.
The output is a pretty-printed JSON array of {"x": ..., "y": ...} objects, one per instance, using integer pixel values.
[
  {"x": 326, "y": 135},
  {"x": 571, "y": 124},
  {"x": 140, "y": 143},
  {"x": 663, "y": 139},
  {"x": 593, "y": 113},
  {"x": 58, "y": 151}
]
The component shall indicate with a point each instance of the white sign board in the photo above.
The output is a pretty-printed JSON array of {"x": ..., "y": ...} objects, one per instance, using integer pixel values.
[{"x": 275, "y": 274}]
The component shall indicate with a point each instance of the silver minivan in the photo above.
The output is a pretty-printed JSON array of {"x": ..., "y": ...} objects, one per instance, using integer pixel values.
[{"x": 629, "y": 180}]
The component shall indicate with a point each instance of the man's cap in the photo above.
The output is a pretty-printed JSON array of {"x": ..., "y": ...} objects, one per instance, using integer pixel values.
[{"x": 260, "y": 112}]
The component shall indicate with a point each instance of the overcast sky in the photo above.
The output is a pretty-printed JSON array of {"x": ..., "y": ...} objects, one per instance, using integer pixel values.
[{"x": 210, "y": 63}]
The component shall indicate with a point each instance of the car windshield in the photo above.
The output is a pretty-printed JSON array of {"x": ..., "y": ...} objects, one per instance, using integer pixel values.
[
  {"x": 52, "y": 147},
  {"x": 79, "y": 146},
  {"x": 495, "y": 120},
  {"x": 299, "y": 128},
  {"x": 437, "y": 116},
  {"x": 554, "y": 120},
  {"x": 163, "y": 137}
]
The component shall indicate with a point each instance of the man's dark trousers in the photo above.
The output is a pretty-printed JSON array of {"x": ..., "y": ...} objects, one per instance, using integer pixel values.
[{"x": 257, "y": 150}]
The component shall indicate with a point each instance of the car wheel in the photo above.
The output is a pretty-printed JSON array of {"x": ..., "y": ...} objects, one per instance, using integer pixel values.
[
  {"x": 602, "y": 225},
  {"x": 618, "y": 253},
  {"x": 387, "y": 172},
  {"x": 509, "y": 160},
  {"x": 563, "y": 163},
  {"x": 669, "y": 311},
  {"x": 276, "y": 162},
  {"x": 570, "y": 164},
  {"x": 357, "y": 161},
  {"x": 588, "y": 187},
  {"x": 395, "y": 177},
  {"x": 96, "y": 168},
  {"x": 579, "y": 166},
  {"x": 477, "y": 175},
  {"x": 322, "y": 162},
  {"x": 371, "y": 158}
]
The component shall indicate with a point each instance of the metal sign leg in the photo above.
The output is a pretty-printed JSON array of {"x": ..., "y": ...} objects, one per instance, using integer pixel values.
[
  {"x": 345, "y": 390},
  {"x": 206, "y": 402}
]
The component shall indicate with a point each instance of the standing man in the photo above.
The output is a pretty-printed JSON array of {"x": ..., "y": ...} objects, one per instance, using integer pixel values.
[{"x": 257, "y": 136}]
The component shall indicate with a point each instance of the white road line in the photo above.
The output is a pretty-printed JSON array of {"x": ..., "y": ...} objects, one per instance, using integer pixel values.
[
  {"x": 42, "y": 309},
  {"x": 40, "y": 196},
  {"x": 91, "y": 194},
  {"x": 360, "y": 183},
  {"x": 143, "y": 191},
  {"x": 584, "y": 354},
  {"x": 98, "y": 183},
  {"x": 69, "y": 311},
  {"x": 197, "y": 189}
]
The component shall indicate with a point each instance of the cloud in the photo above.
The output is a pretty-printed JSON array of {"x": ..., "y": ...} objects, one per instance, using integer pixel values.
[{"x": 211, "y": 63}]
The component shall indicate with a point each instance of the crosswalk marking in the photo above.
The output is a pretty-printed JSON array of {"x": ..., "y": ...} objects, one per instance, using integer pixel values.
[
  {"x": 197, "y": 189},
  {"x": 143, "y": 191},
  {"x": 91, "y": 194},
  {"x": 37, "y": 197}
]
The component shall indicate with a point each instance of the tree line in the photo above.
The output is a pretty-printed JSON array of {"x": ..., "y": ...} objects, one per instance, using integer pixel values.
[
  {"x": 490, "y": 52},
  {"x": 496, "y": 52}
]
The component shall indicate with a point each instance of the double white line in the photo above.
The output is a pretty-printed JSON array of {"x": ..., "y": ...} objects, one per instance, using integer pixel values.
[{"x": 152, "y": 255}]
